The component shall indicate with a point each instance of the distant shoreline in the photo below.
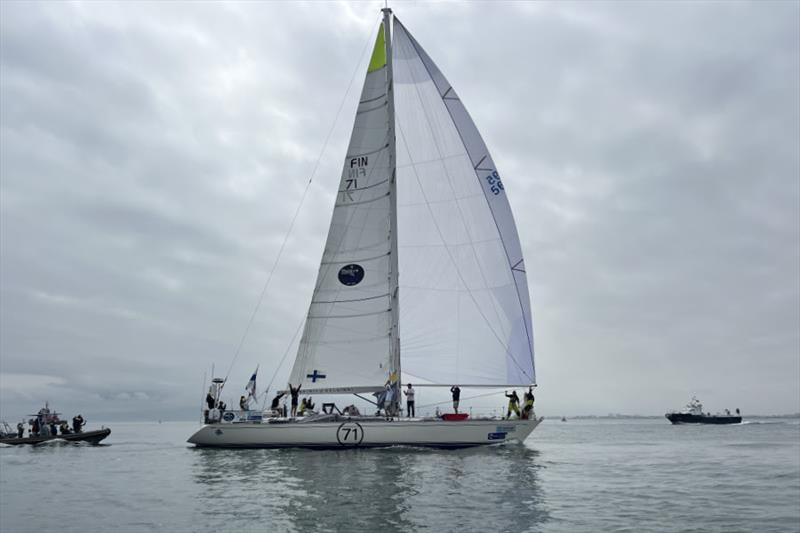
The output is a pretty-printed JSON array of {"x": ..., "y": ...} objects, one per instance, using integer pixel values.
[{"x": 641, "y": 417}]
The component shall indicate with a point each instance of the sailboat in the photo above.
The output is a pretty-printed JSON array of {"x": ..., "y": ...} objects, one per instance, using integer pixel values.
[{"x": 421, "y": 220}]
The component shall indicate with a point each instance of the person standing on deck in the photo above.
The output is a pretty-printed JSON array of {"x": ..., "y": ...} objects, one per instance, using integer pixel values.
[
  {"x": 294, "y": 392},
  {"x": 77, "y": 423},
  {"x": 276, "y": 404},
  {"x": 244, "y": 405},
  {"x": 456, "y": 397},
  {"x": 20, "y": 429},
  {"x": 409, "y": 392},
  {"x": 210, "y": 398},
  {"x": 527, "y": 407},
  {"x": 513, "y": 403}
]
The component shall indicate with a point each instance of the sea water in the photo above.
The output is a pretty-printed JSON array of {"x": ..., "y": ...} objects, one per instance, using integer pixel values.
[{"x": 574, "y": 476}]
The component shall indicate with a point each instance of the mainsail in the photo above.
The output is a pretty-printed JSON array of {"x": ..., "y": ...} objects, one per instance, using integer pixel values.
[
  {"x": 347, "y": 343},
  {"x": 466, "y": 315}
]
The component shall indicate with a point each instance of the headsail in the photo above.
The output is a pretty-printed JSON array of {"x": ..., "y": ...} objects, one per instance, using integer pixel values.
[
  {"x": 466, "y": 314},
  {"x": 347, "y": 343}
]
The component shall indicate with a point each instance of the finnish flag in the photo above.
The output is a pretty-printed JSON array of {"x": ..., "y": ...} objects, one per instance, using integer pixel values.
[{"x": 251, "y": 385}]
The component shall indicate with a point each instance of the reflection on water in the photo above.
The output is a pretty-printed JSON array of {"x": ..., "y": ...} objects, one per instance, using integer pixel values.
[
  {"x": 583, "y": 476},
  {"x": 388, "y": 489}
]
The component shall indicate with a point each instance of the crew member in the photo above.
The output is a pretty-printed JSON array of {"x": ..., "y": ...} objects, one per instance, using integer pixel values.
[
  {"x": 276, "y": 401},
  {"x": 513, "y": 403},
  {"x": 409, "y": 392},
  {"x": 527, "y": 407},
  {"x": 77, "y": 423},
  {"x": 294, "y": 392},
  {"x": 210, "y": 398},
  {"x": 456, "y": 397}
]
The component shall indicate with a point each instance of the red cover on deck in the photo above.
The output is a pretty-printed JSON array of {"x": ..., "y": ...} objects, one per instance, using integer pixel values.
[{"x": 455, "y": 416}]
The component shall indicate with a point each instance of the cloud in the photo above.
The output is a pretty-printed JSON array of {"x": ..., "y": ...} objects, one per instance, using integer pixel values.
[{"x": 152, "y": 157}]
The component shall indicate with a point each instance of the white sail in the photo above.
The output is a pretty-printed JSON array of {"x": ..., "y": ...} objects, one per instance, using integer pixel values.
[
  {"x": 466, "y": 315},
  {"x": 347, "y": 341}
]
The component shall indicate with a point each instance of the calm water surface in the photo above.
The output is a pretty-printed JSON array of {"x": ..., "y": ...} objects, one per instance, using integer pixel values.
[{"x": 580, "y": 475}]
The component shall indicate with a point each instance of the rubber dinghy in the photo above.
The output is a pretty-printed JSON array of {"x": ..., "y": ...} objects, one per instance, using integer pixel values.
[{"x": 92, "y": 437}]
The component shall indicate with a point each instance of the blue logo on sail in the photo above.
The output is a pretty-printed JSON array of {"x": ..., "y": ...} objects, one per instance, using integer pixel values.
[{"x": 351, "y": 275}]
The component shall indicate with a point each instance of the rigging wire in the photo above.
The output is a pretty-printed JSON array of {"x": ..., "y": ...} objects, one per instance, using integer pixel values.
[
  {"x": 296, "y": 213},
  {"x": 285, "y": 354},
  {"x": 450, "y": 401}
]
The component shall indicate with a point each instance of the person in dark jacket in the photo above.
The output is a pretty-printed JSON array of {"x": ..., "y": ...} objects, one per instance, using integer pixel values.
[
  {"x": 456, "y": 392},
  {"x": 527, "y": 407},
  {"x": 276, "y": 402},
  {"x": 295, "y": 393},
  {"x": 77, "y": 423}
]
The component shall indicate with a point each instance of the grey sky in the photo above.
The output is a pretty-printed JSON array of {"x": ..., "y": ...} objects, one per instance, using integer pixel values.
[{"x": 152, "y": 156}]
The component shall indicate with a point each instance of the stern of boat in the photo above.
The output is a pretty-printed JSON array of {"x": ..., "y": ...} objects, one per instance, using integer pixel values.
[{"x": 203, "y": 436}]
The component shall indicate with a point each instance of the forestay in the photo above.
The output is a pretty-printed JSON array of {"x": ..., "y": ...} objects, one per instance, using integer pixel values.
[
  {"x": 466, "y": 316},
  {"x": 347, "y": 341}
]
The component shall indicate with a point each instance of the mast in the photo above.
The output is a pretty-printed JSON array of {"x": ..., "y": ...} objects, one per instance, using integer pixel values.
[{"x": 394, "y": 284}]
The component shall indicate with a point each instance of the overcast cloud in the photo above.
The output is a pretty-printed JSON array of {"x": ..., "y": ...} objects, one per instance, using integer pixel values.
[{"x": 152, "y": 156}]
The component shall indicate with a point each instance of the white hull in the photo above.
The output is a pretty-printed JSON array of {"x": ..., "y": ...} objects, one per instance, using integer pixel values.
[{"x": 363, "y": 432}]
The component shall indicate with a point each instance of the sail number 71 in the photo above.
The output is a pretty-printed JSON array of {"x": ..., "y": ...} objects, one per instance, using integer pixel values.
[
  {"x": 495, "y": 185},
  {"x": 350, "y": 434}
]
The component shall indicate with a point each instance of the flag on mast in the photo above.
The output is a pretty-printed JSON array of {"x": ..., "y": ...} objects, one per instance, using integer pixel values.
[{"x": 251, "y": 385}]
